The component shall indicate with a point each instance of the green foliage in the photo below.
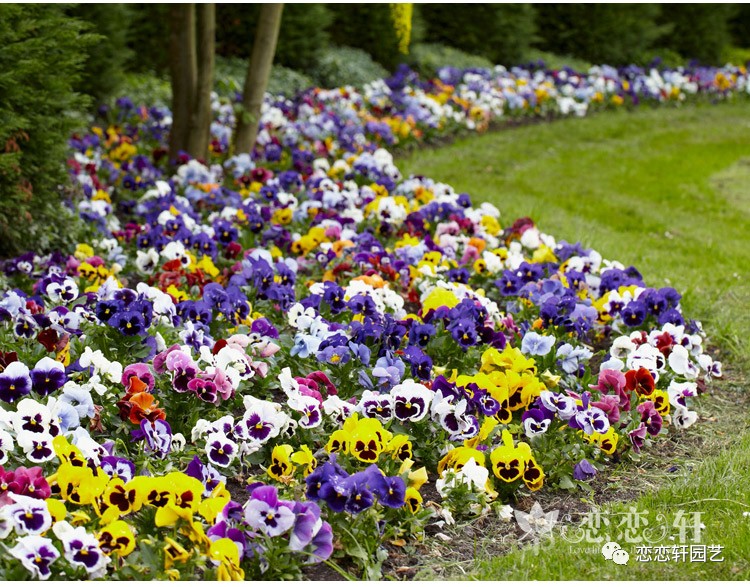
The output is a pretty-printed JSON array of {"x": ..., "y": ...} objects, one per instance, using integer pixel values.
[
  {"x": 739, "y": 26},
  {"x": 148, "y": 38},
  {"x": 341, "y": 66},
  {"x": 735, "y": 55},
  {"x": 552, "y": 61},
  {"x": 147, "y": 88},
  {"x": 368, "y": 27},
  {"x": 617, "y": 34},
  {"x": 662, "y": 56},
  {"x": 501, "y": 33},
  {"x": 427, "y": 58},
  {"x": 103, "y": 74},
  {"x": 231, "y": 72},
  {"x": 42, "y": 52},
  {"x": 301, "y": 39},
  {"x": 699, "y": 31}
]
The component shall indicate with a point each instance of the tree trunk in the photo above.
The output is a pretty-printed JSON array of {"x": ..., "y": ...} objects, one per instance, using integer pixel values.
[
  {"x": 200, "y": 124},
  {"x": 183, "y": 70},
  {"x": 258, "y": 72}
]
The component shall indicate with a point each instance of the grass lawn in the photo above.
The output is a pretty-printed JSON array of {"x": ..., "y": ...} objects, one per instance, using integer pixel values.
[{"x": 668, "y": 191}]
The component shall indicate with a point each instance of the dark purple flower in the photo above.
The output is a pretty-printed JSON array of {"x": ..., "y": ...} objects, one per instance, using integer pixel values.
[
  {"x": 15, "y": 382},
  {"x": 584, "y": 471},
  {"x": 47, "y": 376}
]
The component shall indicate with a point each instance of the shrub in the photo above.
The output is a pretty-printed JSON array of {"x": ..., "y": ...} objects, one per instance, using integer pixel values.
[
  {"x": 341, "y": 66},
  {"x": 231, "y": 71},
  {"x": 427, "y": 58},
  {"x": 103, "y": 73},
  {"x": 42, "y": 52},
  {"x": 553, "y": 61},
  {"x": 302, "y": 36},
  {"x": 148, "y": 38},
  {"x": 600, "y": 33},
  {"x": 501, "y": 33},
  {"x": 735, "y": 56},
  {"x": 699, "y": 31},
  {"x": 368, "y": 27}
]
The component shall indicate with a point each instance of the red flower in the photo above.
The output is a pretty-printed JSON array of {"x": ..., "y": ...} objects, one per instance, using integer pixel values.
[{"x": 641, "y": 381}]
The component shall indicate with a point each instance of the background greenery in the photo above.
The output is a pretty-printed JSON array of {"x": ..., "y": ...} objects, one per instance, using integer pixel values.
[{"x": 56, "y": 61}]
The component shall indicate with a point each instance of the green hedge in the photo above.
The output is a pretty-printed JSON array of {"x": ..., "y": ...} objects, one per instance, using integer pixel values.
[
  {"x": 346, "y": 66},
  {"x": 42, "y": 52},
  {"x": 502, "y": 33},
  {"x": 427, "y": 58}
]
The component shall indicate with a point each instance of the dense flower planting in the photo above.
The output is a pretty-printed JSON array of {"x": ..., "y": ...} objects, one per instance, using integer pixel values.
[{"x": 264, "y": 361}]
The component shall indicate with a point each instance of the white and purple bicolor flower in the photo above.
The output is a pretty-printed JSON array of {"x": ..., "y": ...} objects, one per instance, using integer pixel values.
[
  {"x": 221, "y": 450},
  {"x": 310, "y": 409},
  {"x": 535, "y": 422},
  {"x": 559, "y": 403},
  {"x": 375, "y": 405},
  {"x": 411, "y": 401},
  {"x": 29, "y": 515},
  {"x": 158, "y": 436},
  {"x": 82, "y": 550},
  {"x": 36, "y": 554},
  {"x": 588, "y": 418},
  {"x": 265, "y": 513}
]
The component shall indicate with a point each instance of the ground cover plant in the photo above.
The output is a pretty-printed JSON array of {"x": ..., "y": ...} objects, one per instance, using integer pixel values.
[{"x": 271, "y": 360}]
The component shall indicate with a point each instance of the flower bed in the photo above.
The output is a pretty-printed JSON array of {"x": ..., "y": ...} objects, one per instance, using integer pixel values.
[{"x": 261, "y": 363}]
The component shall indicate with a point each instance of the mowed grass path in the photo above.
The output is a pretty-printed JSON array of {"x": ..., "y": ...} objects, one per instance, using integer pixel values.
[{"x": 666, "y": 190}]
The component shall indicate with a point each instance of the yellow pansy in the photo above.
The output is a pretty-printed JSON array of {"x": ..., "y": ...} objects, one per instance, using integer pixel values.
[
  {"x": 281, "y": 467},
  {"x": 304, "y": 457}
]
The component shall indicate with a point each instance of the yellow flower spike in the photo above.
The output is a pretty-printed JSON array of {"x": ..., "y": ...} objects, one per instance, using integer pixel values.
[
  {"x": 304, "y": 457},
  {"x": 413, "y": 500},
  {"x": 400, "y": 447},
  {"x": 281, "y": 468},
  {"x": 56, "y": 508},
  {"x": 117, "y": 537}
]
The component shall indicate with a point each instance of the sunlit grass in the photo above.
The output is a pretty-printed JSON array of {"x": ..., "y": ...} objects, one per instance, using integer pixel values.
[{"x": 668, "y": 191}]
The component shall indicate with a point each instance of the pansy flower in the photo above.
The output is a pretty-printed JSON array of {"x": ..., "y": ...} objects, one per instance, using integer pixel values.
[
  {"x": 264, "y": 512},
  {"x": 589, "y": 418},
  {"x": 29, "y": 515},
  {"x": 509, "y": 461},
  {"x": 221, "y": 451},
  {"x": 15, "y": 382},
  {"x": 36, "y": 554},
  {"x": 47, "y": 376},
  {"x": 411, "y": 401},
  {"x": 117, "y": 538},
  {"x": 82, "y": 549}
]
